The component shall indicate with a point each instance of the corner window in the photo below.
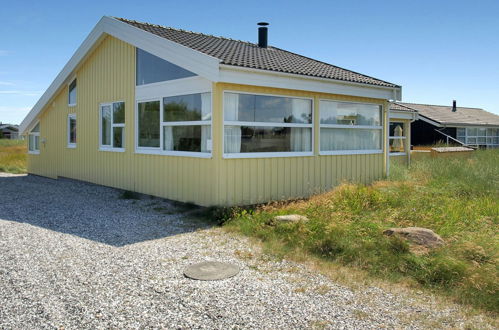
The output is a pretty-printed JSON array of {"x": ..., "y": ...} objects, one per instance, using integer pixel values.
[
  {"x": 175, "y": 125},
  {"x": 350, "y": 128},
  {"x": 152, "y": 69},
  {"x": 72, "y": 130},
  {"x": 149, "y": 124},
  {"x": 264, "y": 125},
  {"x": 187, "y": 123},
  {"x": 72, "y": 93},
  {"x": 397, "y": 138},
  {"x": 112, "y": 126},
  {"x": 34, "y": 140}
]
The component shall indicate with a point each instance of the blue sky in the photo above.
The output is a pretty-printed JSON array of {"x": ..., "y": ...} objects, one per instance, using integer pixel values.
[{"x": 437, "y": 50}]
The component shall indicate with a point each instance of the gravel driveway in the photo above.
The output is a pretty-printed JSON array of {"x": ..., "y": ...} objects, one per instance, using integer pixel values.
[{"x": 75, "y": 255}]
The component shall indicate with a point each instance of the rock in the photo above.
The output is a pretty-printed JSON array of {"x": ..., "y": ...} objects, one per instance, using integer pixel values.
[
  {"x": 416, "y": 235},
  {"x": 290, "y": 218}
]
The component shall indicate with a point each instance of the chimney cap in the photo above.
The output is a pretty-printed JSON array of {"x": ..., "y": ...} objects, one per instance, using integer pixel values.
[{"x": 262, "y": 23}]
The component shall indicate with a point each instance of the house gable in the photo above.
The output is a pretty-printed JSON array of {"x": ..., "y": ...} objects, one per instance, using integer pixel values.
[{"x": 187, "y": 58}]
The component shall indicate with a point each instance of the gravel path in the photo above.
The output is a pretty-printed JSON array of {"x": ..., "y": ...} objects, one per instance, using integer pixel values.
[{"x": 75, "y": 255}]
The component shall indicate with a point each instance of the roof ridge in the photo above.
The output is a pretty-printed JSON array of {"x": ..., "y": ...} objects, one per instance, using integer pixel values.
[
  {"x": 436, "y": 105},
  {"x": 339, "y": 67},
  {"x": 182, "y": 30}
]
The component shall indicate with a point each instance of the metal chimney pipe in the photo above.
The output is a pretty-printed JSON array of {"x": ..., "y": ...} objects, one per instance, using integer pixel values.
[
  {"x": 263, "y": 34},
  {"x": 454, "y": 107}
]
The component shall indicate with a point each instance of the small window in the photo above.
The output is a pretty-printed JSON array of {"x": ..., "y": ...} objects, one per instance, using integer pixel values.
[
  {"x": 72, "y": 93},
  {"x": 72, "y": 130},
  {"x": 34, "y": 140},
  {"x": 112, "y": 126}
]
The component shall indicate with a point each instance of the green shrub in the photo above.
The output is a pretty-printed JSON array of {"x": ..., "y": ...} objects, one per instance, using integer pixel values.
[{"x": 127, "y": 194}]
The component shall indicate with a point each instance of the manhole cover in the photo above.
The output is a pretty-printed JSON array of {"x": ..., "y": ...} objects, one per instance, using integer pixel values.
[{"x": 211, "y": 271}]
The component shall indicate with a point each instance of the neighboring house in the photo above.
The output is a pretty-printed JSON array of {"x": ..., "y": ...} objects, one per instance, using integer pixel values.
[
  {"x": 453, "y": 125},
  {"x": 8, "y": 131},
  {"x": 209, "y": 120}
]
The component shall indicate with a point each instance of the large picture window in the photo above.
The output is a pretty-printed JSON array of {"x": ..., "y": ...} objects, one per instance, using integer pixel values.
[
  {"x": 152, "y": 69},
  {"x": 34, "y": 140},
  {"x": 264, "y": 125},
  {"x": 176, "y": 125},
  {"x": 350, "y": 128},
  {"x": 112, "y": 126}
]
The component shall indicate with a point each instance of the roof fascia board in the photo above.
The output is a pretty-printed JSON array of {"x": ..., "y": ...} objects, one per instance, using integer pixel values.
[
  {"x": 429, "y": 121},
  {"x": 469, "y": 125},
  {"x": 204, "y": 65},
  {"x": 401, "y": 114},
  {"x": 257, "y": 77}
]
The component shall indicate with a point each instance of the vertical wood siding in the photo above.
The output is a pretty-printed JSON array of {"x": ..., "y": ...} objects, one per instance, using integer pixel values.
[
  {"x": 256, "y": 180},
  {"x": 108, "y": 74}
]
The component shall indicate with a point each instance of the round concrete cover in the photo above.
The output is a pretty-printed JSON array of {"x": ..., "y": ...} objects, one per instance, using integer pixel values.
[{"x": 211, "y": 271}]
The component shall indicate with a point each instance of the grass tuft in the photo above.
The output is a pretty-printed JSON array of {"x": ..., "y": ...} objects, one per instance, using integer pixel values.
[{"x": 455, "y": 197}]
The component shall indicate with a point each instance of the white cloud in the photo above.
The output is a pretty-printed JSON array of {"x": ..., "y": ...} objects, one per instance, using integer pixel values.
[
  {"x": 6, "y": 83},
  {"x": 4, "y": 52},
  {"x": 24, "y": 93}
]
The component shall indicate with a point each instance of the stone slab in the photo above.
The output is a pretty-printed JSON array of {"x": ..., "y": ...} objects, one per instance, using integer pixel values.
[{"x": 211, "y": 271}]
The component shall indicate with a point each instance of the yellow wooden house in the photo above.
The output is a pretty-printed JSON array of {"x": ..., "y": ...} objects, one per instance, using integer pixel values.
[{"x": 210, "y": 120}]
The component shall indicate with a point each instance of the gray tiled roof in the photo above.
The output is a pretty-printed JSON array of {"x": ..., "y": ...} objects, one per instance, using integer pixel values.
[
  {"x": 399, "y": 107},
  {"x": 249, "y": 55},
  {"x": 463, "y": 116}
]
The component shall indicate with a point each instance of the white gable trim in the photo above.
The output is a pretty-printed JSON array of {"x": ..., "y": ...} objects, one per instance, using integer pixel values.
[
  {"x": 190, "y": 59},
  {"x": 257, "y": 77}
]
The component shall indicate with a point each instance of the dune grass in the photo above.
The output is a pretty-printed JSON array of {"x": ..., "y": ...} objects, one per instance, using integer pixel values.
[
  {"x": 13, "y": 156},
  {"x": 458, "y": 198}
]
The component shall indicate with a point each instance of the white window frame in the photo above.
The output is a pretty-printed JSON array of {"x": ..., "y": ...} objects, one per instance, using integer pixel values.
[
  {"x": 404, "y": 138},
  {"x": 467, "y": 137},
  {"x": 276, "y": 154},
  {"x": 76, "y": 92},
  {"x": 104, "y": 147},
  {"x": 71, "y": 145},
  {"x": 35, "y": 134},
  {"x": 351, "y": 152},
  {"x": 159, "y": 150}
]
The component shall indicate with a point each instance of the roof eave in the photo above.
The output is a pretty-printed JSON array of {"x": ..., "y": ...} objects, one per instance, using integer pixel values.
[{"x": 268, "y": 78}]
